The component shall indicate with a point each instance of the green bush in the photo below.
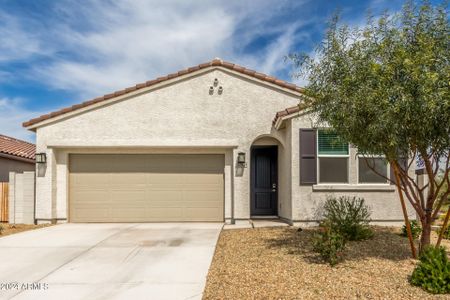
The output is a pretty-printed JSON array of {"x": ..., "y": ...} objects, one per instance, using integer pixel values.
[
  {"x": 433, "y": 271},
  {"x": 349, "y": 217},
  {"x": 329, "y": 244},
  {"x": 416, "y": 230}
]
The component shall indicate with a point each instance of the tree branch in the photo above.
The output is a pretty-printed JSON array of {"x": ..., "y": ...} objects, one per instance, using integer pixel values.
[{"x": 372, "y": 168}]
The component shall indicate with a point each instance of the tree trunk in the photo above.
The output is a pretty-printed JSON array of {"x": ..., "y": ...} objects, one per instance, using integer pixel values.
[{"x": 426, "y": 234}]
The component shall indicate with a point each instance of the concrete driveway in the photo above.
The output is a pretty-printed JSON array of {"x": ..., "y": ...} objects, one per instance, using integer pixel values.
[{"x": 108, "y": 261}]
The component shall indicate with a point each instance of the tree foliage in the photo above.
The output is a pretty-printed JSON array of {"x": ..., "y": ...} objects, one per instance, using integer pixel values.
[{"x": 385, "y": 88}]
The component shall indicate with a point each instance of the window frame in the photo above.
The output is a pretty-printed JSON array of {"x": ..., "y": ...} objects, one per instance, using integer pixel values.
[
  {"x": 331, "y": 156},
  {"x": 388, "y": 167}
]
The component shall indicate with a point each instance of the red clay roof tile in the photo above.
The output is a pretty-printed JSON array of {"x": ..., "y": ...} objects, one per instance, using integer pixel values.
[
  {"x": 286, "y": 112},
  {"x": 16, "y": 147}
]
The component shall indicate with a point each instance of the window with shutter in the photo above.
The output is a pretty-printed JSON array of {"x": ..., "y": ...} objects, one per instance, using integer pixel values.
[
  {"x": 331, "y": 144},
  {"x": 333, "y": 156}
]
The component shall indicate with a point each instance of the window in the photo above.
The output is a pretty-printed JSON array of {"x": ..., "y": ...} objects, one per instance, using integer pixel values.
[
  {"x": 332, "y": 157},
  {"x": 367, "y": 175}
]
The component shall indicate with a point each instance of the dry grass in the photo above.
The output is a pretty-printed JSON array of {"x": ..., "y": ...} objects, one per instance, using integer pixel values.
[
  {"x": 12, "y": 229},
  {"x": 278, "y": 263}
]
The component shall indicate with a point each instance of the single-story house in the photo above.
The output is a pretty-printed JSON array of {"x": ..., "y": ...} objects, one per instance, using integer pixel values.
[
  {"x": 15, "y": 156},
  {"x": 215, "y": 142}
]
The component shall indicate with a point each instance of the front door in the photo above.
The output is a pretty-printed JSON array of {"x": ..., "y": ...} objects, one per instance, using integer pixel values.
[{"x": 264, "y": 181}]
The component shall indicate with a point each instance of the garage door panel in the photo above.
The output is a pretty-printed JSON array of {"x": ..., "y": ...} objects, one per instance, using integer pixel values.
[
  {"x": 165, "y": 213},
  {"x": 124, "y": 198},
  {"x": 202, "y": 213},
  {"x": 203, "y": 178},
  {"x": 88, "y": 179},
  {"x": 85, "y": 214},
  {"x": 146, "y": 188},
  {"x": 195, "y": 196},
  {"x": 165, "y": 179},
  {"x": 162, "y": 196},
  {"x": 125, "y": 213},
  {"x": 90, "y": 196}
]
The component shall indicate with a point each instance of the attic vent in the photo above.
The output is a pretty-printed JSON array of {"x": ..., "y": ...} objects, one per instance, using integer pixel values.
[{"x": 214, "y": 86}]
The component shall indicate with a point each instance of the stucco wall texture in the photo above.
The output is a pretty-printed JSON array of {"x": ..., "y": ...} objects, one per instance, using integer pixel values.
[
  {"x": 182, "y": 116},
  {"x": 10, "y": 165}
]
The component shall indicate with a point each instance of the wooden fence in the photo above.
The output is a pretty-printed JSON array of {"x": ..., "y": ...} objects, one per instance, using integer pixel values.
[{"x": 4, "y": 201}]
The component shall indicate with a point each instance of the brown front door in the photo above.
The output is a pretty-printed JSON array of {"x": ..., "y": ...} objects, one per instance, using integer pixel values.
[{"x": 264, "y": 181}]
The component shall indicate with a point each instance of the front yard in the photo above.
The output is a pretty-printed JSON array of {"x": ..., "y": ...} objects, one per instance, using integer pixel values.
[
  {"x": 278, "y": 263},
  {"x": 11, "y": 229}
]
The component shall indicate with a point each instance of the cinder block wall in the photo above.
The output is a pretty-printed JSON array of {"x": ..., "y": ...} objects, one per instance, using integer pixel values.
[{"x": 21, "y": 198}]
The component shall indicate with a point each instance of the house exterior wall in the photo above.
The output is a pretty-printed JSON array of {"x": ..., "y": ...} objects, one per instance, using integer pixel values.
[
  {"x": 10, "y": 165},
  {"x": 306, "y": 199},
  {"x": 181, "y": 117}
]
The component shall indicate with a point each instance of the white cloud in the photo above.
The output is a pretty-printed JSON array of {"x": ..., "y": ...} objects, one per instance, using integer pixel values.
[
  {"x": 103, "y": 46},
  {"x": 13, "y": 114},
  {"x": 16, "y": 42}
]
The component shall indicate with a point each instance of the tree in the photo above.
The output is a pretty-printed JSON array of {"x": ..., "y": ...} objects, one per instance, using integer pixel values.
[{"x": 385, "y": 88}]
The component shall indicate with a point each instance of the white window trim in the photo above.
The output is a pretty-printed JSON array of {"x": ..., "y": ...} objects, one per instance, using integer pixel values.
[
  {"x": 331, "y": 156},
  {"x": 388, "y": 167}
]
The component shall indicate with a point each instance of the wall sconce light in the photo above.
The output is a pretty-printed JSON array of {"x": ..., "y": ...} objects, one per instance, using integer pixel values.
[
  {"x": 41, "y": 158},
  {"x": 241, "y": 159},
  {"x": 220, "y": 90},
  {"x": 216, "y": 81},
  {"x": 211, "y": 90}
]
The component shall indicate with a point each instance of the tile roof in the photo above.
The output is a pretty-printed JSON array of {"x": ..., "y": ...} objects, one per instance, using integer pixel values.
[
  {"x": 286, "y": 112},
  {"x": 215, "y": 62},
  {"x": 15, "y": 147}
]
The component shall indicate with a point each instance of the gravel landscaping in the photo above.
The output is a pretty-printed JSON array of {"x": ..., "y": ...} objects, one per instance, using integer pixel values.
[
  {"x": 278, "y": 263},
  {"x": 12, "y": 229}
]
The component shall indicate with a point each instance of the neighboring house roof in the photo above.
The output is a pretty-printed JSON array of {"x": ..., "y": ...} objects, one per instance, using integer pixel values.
[
  {"x": 15, "y": 148},
  {"x": 214, "y": 63}
]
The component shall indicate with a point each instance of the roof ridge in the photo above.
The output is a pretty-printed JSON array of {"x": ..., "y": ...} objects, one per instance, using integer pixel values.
[{"x": 216, "y": 62}]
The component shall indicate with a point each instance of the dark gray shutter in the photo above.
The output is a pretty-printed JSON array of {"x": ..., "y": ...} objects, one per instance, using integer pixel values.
[
  {"x": 308, "y": 156},
  {"x": 403, "y": 164}
]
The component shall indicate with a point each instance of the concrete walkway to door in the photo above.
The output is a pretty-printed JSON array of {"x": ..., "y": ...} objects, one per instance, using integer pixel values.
[{"x": 108, "y": 261}]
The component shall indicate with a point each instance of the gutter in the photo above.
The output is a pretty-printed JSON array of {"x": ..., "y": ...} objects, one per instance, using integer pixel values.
[{"x": 18, "y": 158}]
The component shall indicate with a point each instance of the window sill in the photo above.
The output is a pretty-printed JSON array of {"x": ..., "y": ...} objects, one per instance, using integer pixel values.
[{"x": 354, "y": 187}]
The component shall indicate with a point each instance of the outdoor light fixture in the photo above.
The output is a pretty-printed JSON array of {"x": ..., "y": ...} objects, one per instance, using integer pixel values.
[
  {"x": 220, "y": 90},
  {"x": 216, "y": 81},
  {"x": 211, "y": 90},
  {"x": 41, "y": 158},
  {"x": 241, "y": 159}
]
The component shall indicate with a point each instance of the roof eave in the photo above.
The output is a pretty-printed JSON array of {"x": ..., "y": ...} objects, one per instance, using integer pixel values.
[{"x": 18, "y": 158}]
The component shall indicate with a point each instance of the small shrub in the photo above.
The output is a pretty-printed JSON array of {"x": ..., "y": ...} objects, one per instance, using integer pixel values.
[
  {"x": 433, "y": 271},
  {"x": 1, "y": 229},
  {"x": 348, "y": 216},
  {"x": 329, "y": 244},
  {"x": 416, "y": 230}
]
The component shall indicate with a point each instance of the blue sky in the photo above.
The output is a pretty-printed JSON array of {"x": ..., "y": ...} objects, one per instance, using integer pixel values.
[{"x": 54, "y": 53}]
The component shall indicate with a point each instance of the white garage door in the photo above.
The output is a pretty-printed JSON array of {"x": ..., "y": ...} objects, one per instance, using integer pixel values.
[{"x": 145, "y": 188}]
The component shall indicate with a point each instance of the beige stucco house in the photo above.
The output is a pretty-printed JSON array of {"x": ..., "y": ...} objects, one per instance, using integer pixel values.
[{"x": 215, "y": 142}]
